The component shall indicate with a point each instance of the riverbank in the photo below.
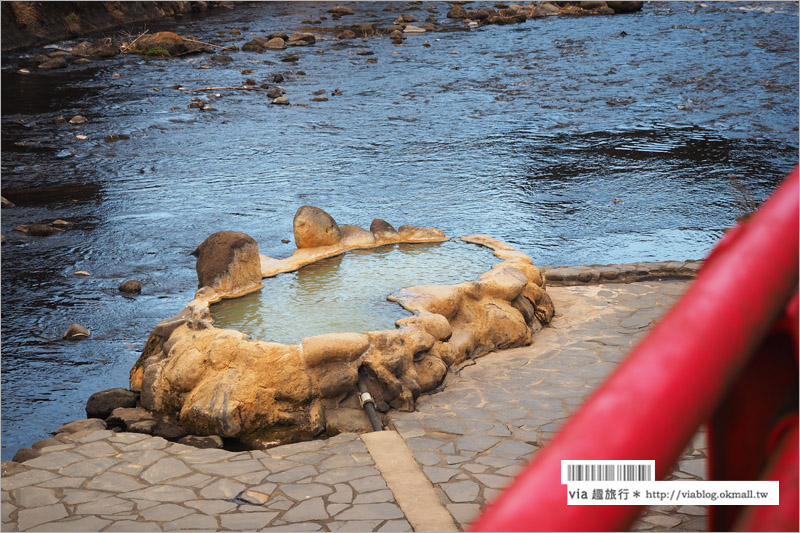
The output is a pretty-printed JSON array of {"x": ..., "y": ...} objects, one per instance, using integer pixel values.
[
  {"x": 480, "y": 130},
  {"x": 26, "y": 24},
  {"x": 464, "y": 444}
]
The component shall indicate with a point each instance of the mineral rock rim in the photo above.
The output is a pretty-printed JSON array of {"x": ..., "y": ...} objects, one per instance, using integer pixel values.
[{"x": 219, "y": 381}]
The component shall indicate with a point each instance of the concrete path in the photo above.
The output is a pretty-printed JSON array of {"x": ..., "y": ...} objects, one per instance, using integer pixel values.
[{"x": 459, "y": 449}]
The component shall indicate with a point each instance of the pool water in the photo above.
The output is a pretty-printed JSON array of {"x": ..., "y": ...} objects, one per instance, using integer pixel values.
[{"x": 347, "y": 293}]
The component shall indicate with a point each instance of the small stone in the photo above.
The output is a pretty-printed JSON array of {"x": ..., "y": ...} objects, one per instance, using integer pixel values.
[
  {"x": 290, "y": 58},
  {"x": 82, "y": 273},
  {"x": 77, "y": 332},
  {"x": 220, "y": 58},
  {"x": 281, "y": 100},
  {"x": 413, "y": 29},
  {"x": 78, "y": 119},
  {"x": 131, "y": 286},
  {"x": 319, "y": 99},
  {"x": 117, "y": 137}
]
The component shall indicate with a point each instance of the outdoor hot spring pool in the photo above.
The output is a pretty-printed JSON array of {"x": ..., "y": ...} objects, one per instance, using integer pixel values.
[{"x": 347, "y": 293}]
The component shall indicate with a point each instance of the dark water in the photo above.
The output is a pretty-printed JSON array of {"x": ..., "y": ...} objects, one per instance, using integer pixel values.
[
  {"x": 348, "y": 293},
  {"x": 526, "y": 132}
]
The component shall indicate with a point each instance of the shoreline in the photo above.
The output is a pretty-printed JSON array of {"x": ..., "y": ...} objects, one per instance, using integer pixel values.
[{"x": 561, "y": 276}]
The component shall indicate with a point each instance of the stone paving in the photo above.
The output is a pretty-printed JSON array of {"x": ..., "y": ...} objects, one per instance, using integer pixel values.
[
  {"x": 477, "y": 434},
  {"x": 469, "y": 440}
]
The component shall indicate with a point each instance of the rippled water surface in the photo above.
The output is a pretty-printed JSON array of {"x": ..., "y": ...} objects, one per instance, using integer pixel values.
[
  {"x": 348, "y": 293},
  {"x": 527, "y": 132}
]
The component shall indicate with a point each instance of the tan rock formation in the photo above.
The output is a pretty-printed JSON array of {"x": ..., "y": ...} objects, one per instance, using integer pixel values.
[
  {"x": 313, "y": 228},
  {"x": 219, "y": 382},
  {"x": 228, "y": 265}
]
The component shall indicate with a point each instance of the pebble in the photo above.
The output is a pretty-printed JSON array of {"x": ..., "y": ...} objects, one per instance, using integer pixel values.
[{"x": 78, "y": 119}]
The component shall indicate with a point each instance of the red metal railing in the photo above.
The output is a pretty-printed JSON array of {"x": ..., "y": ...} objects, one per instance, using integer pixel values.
[{"x": 687, "y": 371}]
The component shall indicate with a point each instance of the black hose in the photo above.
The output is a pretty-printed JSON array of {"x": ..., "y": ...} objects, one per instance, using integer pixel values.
[{"x": 369, "y": 405}]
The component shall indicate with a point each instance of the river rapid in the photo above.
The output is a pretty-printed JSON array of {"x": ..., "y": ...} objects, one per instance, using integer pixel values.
[{"x": 577, "y": 140}]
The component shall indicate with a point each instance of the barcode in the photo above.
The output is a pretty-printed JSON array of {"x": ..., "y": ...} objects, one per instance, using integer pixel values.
[{"x": 576, "y": 471}]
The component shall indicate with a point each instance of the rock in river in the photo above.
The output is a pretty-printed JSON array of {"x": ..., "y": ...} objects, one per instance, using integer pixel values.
[
  {"x": 131, "y": 286},
  {"x": 102, "y": 404},
  {"x": 314, "y": 227},
  {"x": 77, "y": 332}
]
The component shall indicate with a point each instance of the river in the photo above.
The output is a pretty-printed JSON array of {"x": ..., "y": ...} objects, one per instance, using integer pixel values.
[{"x": 577, "y": 140}]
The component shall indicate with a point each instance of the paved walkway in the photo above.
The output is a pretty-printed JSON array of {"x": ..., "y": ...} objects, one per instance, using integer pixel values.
[{"x": 463, "y": 444}]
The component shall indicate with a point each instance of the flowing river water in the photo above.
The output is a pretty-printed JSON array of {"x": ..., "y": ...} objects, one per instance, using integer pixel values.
[{"x": 576, "y": 140}]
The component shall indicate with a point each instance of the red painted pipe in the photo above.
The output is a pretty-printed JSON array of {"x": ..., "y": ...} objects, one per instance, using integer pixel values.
[{"x": 653, "y": 404}]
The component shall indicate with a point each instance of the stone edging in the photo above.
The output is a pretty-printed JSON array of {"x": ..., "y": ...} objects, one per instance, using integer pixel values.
[{"x": 564, "y": 276}]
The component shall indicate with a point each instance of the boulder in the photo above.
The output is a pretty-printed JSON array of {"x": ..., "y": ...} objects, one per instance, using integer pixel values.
[
  {"x": 81, "y": 425},
  {"x": 228, "y": 262},
  {"x": 362, "y": 29},
  {"x": 625, "y": 7},
  {"x": 314, "y": 227},
  {"x": 54, "y": 62},
  {"x": 25, "y": 454},
  {"x": 278, "y": 34},
  {"x": 38, "y": 230},
  {"x": 133, "y": 419},
  {"x": 341, "y": 10},
  {"x": 259, "y": 44},
  {"x": 592, "y": 4},
  {"x": 77, "y": 332},
  {"x": 44, "y": 443},
  {"x": 301, "y": 39},
  {"x": 102, "y": 404},
  {"x": 131, "y": 286},
  {"x": 354, "y": 236},
  {"x": 545, "y": 9},
  {"x": 281, "y": 100},
  {"x": 457, "y": 12},
  {"x": 102, "y": 48},
  {"x": 171, "y": 43},
  {"x": 382, "y": 229},
  {"x": 276, "y": 43}
]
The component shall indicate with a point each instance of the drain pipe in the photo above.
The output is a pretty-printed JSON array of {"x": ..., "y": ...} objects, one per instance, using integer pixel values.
[{"x": 368, "y": 403}]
